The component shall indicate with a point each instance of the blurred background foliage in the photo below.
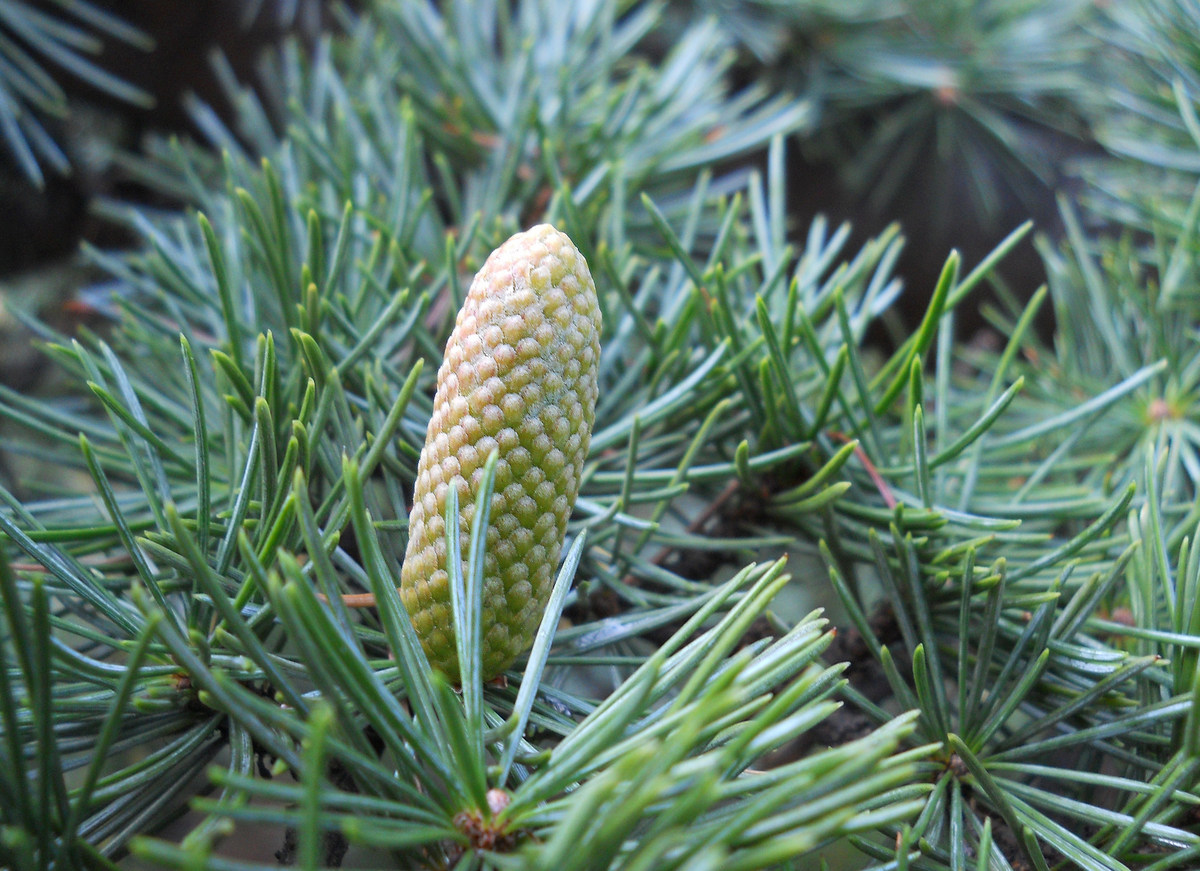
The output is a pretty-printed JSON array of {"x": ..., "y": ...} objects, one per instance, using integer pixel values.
[{"x": 990, "y": 485}]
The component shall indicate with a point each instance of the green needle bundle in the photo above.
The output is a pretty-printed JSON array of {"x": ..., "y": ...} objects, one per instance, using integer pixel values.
[{"x": 518, "y": 378}]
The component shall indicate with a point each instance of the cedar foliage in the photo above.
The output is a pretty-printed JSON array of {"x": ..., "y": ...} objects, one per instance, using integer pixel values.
[{"x": 1002, "y": 537}]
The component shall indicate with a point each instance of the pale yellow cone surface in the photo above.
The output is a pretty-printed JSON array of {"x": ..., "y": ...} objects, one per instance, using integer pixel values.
[{"x": 519, "y": 377}]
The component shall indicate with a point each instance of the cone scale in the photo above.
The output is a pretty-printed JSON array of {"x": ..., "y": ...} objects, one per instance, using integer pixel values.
[{"x": 518, "y": 377}]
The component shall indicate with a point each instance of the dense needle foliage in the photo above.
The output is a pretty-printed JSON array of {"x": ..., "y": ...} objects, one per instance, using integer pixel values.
[{"x": 938, "y": 607}]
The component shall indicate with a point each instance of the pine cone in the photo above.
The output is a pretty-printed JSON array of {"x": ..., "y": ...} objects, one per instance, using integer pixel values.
[{"x": 518, "y": 376}]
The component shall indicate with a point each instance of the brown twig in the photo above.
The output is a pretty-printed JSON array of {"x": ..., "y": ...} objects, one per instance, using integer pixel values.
[{"x": 877, "y": 479}]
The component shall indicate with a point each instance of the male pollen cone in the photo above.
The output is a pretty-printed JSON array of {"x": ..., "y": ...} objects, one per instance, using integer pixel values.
[{"x": 519, "y": 378}]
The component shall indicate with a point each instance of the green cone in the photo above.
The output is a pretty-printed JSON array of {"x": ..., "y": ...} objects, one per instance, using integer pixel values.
[{"x": 519, "y": 376}]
